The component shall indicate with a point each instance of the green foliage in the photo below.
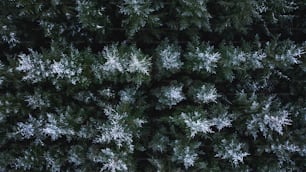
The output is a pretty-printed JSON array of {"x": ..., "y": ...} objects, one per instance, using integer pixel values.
[
  {"x": 198, "y": 85},
  {"x": 139, "y": 13}
]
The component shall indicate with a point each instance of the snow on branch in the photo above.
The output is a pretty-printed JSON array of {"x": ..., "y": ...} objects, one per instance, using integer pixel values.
[{"x": 232, "y": 151}]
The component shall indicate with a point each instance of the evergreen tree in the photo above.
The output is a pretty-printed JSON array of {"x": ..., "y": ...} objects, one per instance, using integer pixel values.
[{"x": 139, "y": 85}]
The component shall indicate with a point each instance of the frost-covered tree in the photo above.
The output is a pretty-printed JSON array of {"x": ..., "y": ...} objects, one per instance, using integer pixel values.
[{"x": 139, "y": 85}]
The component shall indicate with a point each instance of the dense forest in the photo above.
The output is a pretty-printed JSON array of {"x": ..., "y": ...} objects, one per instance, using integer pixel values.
[{"x": 140, "y": 85}]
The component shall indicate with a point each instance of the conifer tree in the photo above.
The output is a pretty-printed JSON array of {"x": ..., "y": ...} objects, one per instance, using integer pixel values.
[{"x": 139, "y": 85}]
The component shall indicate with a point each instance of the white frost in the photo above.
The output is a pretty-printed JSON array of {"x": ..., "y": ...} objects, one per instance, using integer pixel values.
[
  {"x": 196, "y": 124},
  {"x": 113, "y": 63},
  {"x": 276, "y": 123},
  {"x": 114, "y": 129},
  {"x": 112, "y": 162},
  {"x": 207, "y": 94},
  {"x": 138, "y": 65},
  {"x": 206, "y": 59},
  {"x": 172, "y": 95},
  {"x": 170, "y": 58},
  {"x": 231, "y": 151}
]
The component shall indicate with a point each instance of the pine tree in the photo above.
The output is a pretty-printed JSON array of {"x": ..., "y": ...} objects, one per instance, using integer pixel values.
[{"x": 138, "y": 85}]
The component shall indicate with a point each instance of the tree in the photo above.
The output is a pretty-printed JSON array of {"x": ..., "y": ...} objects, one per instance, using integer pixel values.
[{"x": 140, "y": 85}]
